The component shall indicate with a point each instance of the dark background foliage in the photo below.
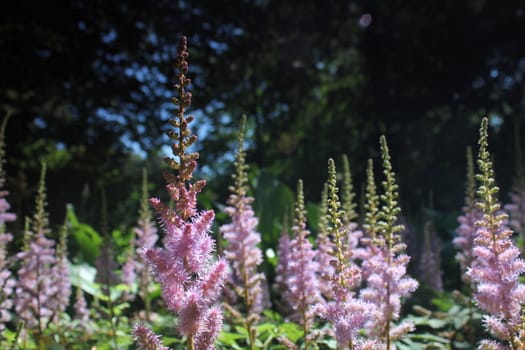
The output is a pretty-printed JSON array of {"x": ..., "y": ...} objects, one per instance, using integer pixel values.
[{"x": 88, "y": 83}]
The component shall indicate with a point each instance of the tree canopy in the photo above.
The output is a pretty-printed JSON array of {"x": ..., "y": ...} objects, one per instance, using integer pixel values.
[{"x": 88, "y": 85}]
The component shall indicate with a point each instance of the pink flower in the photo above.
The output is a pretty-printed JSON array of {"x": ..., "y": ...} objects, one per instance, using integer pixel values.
[
  {"x": 80, "y": 307},
  {"x": 302, "y": 293},
  {"x": 345, "y": 311},
  {"x": 39, "y": 294},
  {"x": 242, "y": 251},
  {"x": 282, "y": 269},
  {"x": 36, "y": 290},
  {"x": 384, "y": 263},
  {"x": 146, "y": 339},
  {"x": 190, "y": 279},
  {"x": 7, "y": 283},
  {"x": 497, "y": 268},
  {"x": 466, "y": 232}
]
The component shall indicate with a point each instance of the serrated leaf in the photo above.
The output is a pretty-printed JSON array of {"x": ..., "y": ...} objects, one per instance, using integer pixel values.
[{"x": 291, "y": 331}]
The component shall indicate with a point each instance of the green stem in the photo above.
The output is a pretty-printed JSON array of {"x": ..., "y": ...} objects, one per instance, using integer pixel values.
[{"x": 191, "y": 342}]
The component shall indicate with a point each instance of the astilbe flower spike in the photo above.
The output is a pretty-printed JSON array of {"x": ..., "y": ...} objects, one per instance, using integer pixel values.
[
  {"x": 242, "y": 251},
  {"x": 466, "y": 232},
  {"x": 145, "y": 237},
  {"x": 105, "y": 263},
  {"x": 190, "y": 280},
  {"x": 146, "y": 338},
  {"x": 282, "y": 269},
  {"x": 386, "y": 278},
  {"x": 37, "y": 289},
  {"x": 303, "y": 282},
  {"x": 496, "y": 270},
  {"x": 325, "y": 248},
  {"x": 372, "y": 203},
  {"x": 348, "y": 206},
  {"x": 429, "y": 262},
  {"x": 81, "y": 310},
  {"x": 346, "y": 312},
  {"x": 370, "y": 223},
  {"x": 7, "y": 281},
  {"x": 62, "y": 272}
]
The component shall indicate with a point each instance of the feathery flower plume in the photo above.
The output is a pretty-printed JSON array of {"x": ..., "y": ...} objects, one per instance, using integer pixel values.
[
  {"x": 7, "y": 282},
  {"x": 145, "y": 237},
  {"x": 36, "y": 301},
  {"x": 190, "y": 280},
  {"x": 348, "y": 206},
  {"x": 347, "y": 313},
  {"x": 372, "y": 203},
  {"x": 429, "y": 263},
  {"x": 62, "y": 272},
  {"x": 303, "y": 282},
  {"x": 106, "y": 269},
  {"x": 325, "y": 248},
  {"x": 80, "y": 307},
  {"x": 105, "y": 262},
  {"x": 466, "y": 232},
  {"x": 387, "y": 280},
  {"x": 496, "y": 270},
  {"x": 242, "y": 251},
  {"x": 370, "y": 222},
  {"x": 146, "y": 338},
  {"x": 282, "y": 268}
]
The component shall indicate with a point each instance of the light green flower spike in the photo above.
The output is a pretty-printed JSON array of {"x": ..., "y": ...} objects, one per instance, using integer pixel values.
[
  {"x": 335, "y": 225},
  {"x": 240, "y": 177},
  {"x": 388, "y": 214},
  {"x": 300, "y": 211},
  {"x": 40, "y": 222},
  {"x": 487, "y": 191},
  {"x": 470, "y": 192},
  {"x": 348, "y": 195},
  {"x": 144, "y": 211},
  {"x": 372, "y": 202},
  {"x": 323, "y": 210}
]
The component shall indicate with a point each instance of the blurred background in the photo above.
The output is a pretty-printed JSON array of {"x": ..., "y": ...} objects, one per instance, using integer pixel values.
[{"x": 87, "y": 84}]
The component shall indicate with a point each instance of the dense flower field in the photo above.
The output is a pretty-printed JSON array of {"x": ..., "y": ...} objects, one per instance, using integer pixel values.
[{"x": 343, "y": 284}]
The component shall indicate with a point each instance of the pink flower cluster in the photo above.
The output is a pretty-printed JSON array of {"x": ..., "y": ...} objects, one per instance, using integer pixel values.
[
  {"x": 190, "y": 279},
  {"x": 145, "y": 237},
  {"x": 303, "y": 283},
  {"x": 191, "y": 283},
  {"x": 496, "y": 270},
  {"x": 7, "y": 282},
  {"x": 242, "y": 250},
  {"x": 367, "y": 279},
  {"x": 43, "y": 281}
]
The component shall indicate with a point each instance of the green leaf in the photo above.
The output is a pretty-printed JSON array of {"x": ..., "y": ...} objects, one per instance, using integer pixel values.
[
  {"x": 291, "y": 331},
  {"x": 86, "y": 240},
  {"x": 443, "y": 303},
  {"x": 266, "y": 327},
  {"x": 83, "y": 276},
  {"x": 229, "y": 338}
]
